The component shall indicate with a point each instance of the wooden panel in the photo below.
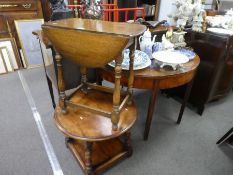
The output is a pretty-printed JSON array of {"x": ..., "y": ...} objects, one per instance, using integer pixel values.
[
  {"x": 6, "y": 6},
  {"x": 3, "y": 25}
]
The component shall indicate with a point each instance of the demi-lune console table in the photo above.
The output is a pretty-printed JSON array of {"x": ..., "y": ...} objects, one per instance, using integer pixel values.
[{"x": 153, "y": 78}]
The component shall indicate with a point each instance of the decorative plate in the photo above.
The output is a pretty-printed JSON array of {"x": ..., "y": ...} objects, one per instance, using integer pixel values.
[
  {"x": 171, "y": 57},
  {"x": 221, "y": 31},
  {"x": 141, "y": 60},
  {"x": 190, "y": 54}
]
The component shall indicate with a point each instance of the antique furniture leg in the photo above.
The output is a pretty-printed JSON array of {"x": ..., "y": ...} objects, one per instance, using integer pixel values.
[
  {"x": 131, "y": 71},
  {"x": 51, "y": 91},
  {"x": 201, "y": 109},
  {"x": 50, "y": 85},
  {"x": 116, "y": 94},
  {"x": 227, "y": 136},
  {"x": 83, "y": 71},
  {"x": 128, "y": 143},
  {"x": 88, "y": 162},
  {"x": 151, "y": 109},
  {"x": 61, "y": 83},
  {"x": 185, "y": 100}
]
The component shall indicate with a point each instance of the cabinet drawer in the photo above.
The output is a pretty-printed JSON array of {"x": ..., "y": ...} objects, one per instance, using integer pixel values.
[{"x": 18, "y": 6}]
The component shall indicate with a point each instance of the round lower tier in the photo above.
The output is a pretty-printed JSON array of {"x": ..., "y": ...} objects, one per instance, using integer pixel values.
[{"x": 88, "y": 126}]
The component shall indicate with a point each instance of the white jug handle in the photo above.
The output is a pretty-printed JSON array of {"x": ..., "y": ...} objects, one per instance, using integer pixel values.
[
  {"x": 140, "y": 37},
  {"x": 154, "y": 38}
]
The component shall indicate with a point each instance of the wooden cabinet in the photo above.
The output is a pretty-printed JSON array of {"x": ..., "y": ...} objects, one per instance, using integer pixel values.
[
  {"x": 214, "y": 77},
  {"x": 151, "y": 6},
  {"x": 11, "y": 10}
]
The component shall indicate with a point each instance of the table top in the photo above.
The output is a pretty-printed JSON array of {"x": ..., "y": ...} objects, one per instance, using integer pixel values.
[
  {"x": 114, "y": 28},
  {"x": 155, "y": 72}
]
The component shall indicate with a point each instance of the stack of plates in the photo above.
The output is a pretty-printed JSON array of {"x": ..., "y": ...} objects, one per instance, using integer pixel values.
[
  {"x": 141, "y": 60},
  {"x": 170, "y": 58},
  {"x": 221, "y": 31}
]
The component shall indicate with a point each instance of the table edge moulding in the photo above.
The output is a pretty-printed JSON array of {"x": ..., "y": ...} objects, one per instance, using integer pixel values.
[{"x": 96, "y": 120}]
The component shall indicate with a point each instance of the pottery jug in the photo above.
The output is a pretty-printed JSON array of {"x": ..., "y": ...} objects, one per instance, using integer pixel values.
[{"x": 145, "y": 41}]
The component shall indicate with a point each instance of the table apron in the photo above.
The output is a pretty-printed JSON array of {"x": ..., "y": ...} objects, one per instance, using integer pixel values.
[{"x": 147, "y": 83}]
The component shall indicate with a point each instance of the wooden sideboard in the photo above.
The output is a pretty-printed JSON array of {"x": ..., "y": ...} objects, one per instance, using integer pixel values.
[
  {"x": 214, "y": 78},
  {"x": 11, "y": 10}
]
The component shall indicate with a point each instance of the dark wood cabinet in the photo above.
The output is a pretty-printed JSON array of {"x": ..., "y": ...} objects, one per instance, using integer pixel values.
[
  {"x": 151, "y": 6},
  {"x": 214, "y": 77},
  {"x": 11, "y": 10}
]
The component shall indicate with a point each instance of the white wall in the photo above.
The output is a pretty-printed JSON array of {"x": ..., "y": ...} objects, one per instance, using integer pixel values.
[{"x": 166, "y": 8}]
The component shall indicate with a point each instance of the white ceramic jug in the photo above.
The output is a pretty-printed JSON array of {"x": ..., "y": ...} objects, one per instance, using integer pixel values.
[{"x": 145, "y": 40}]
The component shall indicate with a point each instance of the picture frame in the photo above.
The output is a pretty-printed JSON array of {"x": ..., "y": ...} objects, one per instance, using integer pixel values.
[
  {"x": 30, "y": 47},
  {"x": 11, "y": 48},
  {"x": 4, "y": 53},
  {"x": 3, "y": 68}
]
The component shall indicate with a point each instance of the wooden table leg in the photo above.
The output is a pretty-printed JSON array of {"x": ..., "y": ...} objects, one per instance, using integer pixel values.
[
  {"x": 186, "y": 97},
  {"x": 50, "y": 85},
  {"x": 88, "y": 159},
  {"x": 151, "y": 109},
  {"x": 227, "y": 136}
]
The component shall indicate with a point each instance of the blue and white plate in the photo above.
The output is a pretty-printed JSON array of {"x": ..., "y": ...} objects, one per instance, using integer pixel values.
[
  {"x": 141, "y": 60},
  {"x": 190, "y": 54}
]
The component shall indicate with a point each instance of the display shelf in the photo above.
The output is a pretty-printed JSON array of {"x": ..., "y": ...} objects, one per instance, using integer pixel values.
[
  {"x": 103, "y": 156},
  {"x": 84, "y": 125}
]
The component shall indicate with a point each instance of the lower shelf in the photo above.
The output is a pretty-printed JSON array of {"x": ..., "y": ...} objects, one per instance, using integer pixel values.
[{"x": 104, "y": 154}]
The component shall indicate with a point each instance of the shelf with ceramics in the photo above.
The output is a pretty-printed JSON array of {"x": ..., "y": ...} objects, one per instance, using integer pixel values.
[{"x": 221, "y": 24}]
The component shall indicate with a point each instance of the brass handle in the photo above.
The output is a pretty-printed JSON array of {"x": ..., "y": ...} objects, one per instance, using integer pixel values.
[
  {"x": 8, "y": 5},
  {"x": 27, "y": 6}
]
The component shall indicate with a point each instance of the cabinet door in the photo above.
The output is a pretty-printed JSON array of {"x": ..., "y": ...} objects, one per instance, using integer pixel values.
[{"x": 3, "y": 27}]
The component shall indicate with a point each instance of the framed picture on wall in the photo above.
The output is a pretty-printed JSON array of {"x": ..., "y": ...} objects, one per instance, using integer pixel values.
[
  {"x": 9, "y": 51},
  {"x": 3, "y": 68},
  {"x": 30, "y": 47},
  {"x": 5, "y": 61}
]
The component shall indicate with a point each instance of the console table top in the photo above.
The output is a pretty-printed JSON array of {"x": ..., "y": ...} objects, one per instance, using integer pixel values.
[{"x": 98, "y": 26}]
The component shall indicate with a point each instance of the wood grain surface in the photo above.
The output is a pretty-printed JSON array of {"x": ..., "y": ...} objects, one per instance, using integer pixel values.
[{"x": 84, "y": 125}]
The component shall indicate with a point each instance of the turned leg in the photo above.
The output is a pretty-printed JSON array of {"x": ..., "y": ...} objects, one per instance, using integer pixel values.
[
  {"x": 131, "y": 71},
  {"x": 88, "y": 162},
  {"x": 83, "y": 71},
  {"x": 61, "y": 83},
  {"x": 116, "y": 94},
  {"x": 128, "y": 145}
]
